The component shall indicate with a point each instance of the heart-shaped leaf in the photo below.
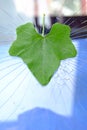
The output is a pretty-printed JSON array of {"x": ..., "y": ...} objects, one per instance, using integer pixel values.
[{"x": 42, "y": 54}]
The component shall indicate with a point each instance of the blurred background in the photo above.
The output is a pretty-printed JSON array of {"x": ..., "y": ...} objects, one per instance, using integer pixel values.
[
  {"x": 61, "y": 7},
  {"x": 16, "y": 12}
]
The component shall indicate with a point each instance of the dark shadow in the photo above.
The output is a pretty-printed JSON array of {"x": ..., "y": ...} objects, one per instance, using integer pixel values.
[
  {"x": 43, "y": 119},
  {"x": 80, "y": 97},
  {"x": 10, "y": 125}
]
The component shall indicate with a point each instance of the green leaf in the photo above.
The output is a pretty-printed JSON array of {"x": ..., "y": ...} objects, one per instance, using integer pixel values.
[{"x": 42, "y": 54}]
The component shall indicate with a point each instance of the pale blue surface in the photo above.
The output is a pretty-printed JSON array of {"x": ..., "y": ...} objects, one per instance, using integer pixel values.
[{"x": 42, "y": 118}]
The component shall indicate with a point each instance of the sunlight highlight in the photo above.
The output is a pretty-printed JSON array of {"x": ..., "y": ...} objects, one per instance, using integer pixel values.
[
  {"x": 20, "y": 91},
  {"x": 25, "y": 7}
]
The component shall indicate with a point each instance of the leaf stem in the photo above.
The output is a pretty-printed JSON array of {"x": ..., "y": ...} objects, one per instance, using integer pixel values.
[{"x": 43, "y": 25}]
